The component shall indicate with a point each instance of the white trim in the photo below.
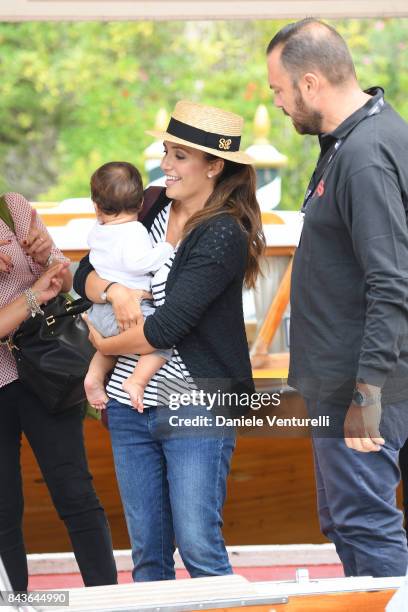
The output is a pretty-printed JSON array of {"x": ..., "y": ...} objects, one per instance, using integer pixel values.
[
  {"x": 270, "y": 555},
  {"x": 240, "y": 556},
  {"x": 101, "y": 10}
]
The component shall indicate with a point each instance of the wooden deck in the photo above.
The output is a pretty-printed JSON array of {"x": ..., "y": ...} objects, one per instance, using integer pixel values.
[
  {"x": 234, "y": 593},
  {"x": 339, "y": 602}
]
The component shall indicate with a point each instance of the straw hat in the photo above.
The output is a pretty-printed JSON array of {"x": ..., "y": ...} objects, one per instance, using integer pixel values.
[{"x": 206, "y": 128}]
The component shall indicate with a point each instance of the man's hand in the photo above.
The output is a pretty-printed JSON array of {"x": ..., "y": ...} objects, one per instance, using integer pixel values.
[
  {"x": 37, "y": 244},
  {"x": 126, "y": 305},
  {"x": 362, "y": 423}
]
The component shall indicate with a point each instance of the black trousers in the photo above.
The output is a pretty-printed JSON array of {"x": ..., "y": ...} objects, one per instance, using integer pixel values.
[{"x": 58, "y": 444}]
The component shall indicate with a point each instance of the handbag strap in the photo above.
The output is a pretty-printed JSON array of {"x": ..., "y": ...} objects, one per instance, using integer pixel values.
[{"x": 5, "y": 214}]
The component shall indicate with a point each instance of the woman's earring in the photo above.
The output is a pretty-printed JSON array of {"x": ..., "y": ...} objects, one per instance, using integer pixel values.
[{"x": 209, "y": 175}]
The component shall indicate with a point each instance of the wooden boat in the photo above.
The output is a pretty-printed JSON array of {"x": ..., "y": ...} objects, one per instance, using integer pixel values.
[{"x": 231, "y": 593}]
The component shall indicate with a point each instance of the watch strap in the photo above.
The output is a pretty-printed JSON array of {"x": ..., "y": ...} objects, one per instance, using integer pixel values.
[
  {"x": 105, "y": 291},
  {"x": 363, "y": 399}
]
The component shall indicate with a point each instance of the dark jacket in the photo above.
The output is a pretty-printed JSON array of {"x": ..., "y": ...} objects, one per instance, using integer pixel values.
[
  {"x": 203, "y": 314},
  {"x": 349, "y": 295}
]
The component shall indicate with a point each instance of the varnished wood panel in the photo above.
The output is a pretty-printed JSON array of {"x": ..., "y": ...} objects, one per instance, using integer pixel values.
[
  {"x": 44, "y": 532},
  {"x": 337, "y": 602}
]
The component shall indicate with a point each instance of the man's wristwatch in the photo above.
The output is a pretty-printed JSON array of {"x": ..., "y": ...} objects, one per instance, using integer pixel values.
[
  {"x": 364, "y": 399},
  {"x": 104, "y": 294}
]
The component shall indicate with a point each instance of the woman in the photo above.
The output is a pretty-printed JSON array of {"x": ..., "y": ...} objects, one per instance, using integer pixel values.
[
  {"x": 29, "y": 276},
  {"x": 172, "y": 477}
]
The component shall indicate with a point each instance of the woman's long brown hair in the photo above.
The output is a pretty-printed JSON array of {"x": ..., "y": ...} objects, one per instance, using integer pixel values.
[{"x": 235, "y": 194}]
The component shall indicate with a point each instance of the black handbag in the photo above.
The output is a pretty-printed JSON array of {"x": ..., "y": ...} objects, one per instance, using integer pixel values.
[{"x": 52, "y": 353}]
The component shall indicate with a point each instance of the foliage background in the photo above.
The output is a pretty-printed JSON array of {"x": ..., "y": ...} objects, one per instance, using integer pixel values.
[{"x": 75, "y": 95}]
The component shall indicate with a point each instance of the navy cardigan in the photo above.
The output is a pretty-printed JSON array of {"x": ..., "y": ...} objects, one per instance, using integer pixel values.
[{"x": 202, "y": 314}]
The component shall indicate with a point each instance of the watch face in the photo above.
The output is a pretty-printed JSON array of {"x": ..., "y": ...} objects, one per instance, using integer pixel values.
[
  {"x": 104, "y": 294},
  {"x": 358, "y": 398}
]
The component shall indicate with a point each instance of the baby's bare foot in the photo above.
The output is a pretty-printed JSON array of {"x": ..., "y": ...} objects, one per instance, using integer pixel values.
[
  {"x": 95, "y": 392},
  {"x": 136, "y": 392}
]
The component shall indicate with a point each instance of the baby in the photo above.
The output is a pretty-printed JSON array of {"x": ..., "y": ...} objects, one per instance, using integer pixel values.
[{"x": 121, "y": 251}]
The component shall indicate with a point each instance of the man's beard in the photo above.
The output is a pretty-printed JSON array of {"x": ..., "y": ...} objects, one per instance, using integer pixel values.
[{"x": 305, "y": 121}]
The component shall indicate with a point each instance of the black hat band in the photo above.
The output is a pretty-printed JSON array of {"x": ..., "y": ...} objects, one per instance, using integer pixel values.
[{"x": 218, "y": 142}]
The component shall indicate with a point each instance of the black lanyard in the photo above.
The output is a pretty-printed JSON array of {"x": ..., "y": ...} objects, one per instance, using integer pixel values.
[{"x": 326, "y": 161}]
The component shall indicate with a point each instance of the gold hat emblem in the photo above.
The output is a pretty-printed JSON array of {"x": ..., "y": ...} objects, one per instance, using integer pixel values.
[{"x": 224, "y": 144}]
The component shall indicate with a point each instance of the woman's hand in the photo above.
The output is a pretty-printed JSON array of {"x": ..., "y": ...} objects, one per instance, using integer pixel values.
[
  {"x": 131, "y": 341},
  {"x": 126, "y": 305},
  {"x": 95, "y": 338},
  {"x": 38, "y": 243},
  {"x": 50, "y": 283},
  {"x": 5, "y": 260}
]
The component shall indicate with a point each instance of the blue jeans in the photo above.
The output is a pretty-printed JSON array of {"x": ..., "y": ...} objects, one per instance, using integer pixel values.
[
  {"x": 173, "y": 488},
  {"x": 356, "y": 494}
]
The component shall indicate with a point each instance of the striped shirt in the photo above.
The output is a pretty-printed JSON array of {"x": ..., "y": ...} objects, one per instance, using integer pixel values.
[{"x": 173, "y": 376}]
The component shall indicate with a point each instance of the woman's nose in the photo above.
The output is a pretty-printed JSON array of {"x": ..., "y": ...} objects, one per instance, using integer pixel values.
[{"x": 164, "y": 164}]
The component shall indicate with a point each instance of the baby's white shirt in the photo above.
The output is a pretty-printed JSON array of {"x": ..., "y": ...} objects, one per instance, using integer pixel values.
[{"x": 123, "y": 252}]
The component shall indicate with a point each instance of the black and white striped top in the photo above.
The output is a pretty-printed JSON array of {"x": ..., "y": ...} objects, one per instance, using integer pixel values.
[{"x": 173, "y": 377}]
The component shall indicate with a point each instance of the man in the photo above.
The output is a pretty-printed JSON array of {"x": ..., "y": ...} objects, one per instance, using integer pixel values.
[{"x": 349, "y": 301}]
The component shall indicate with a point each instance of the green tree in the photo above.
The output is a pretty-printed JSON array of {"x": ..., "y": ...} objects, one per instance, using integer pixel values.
[{"x": 75, "y": 95}]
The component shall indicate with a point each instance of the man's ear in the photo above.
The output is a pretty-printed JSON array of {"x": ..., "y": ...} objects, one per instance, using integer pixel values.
[{"x": 310, "y": 85}]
